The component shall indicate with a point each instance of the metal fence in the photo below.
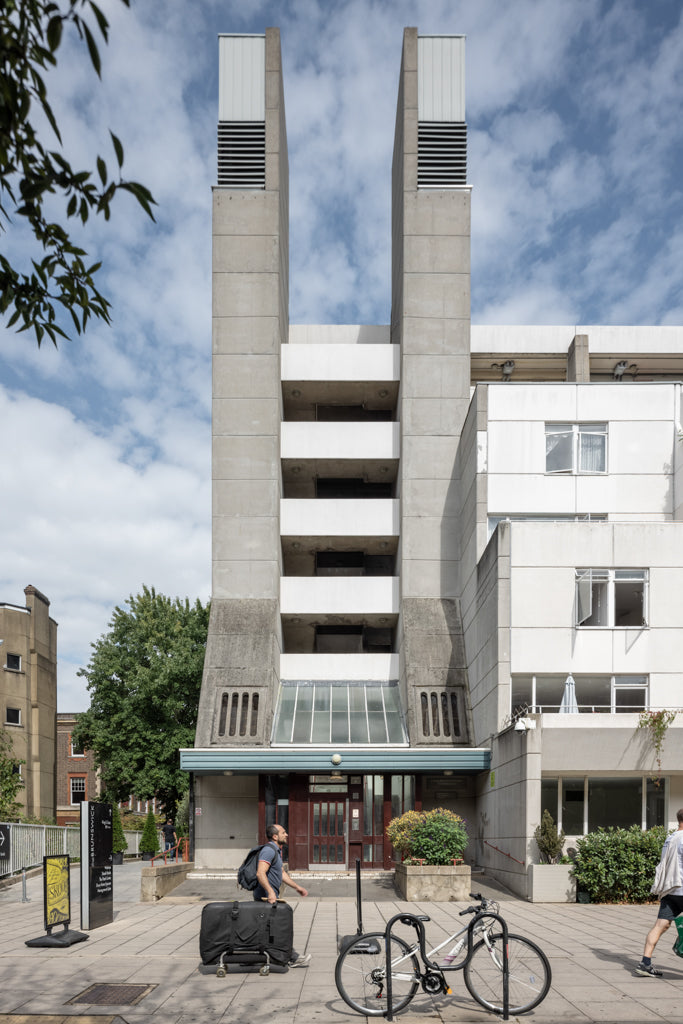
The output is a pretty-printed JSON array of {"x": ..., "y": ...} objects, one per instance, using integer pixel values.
[{"x": 28, "y": 844}]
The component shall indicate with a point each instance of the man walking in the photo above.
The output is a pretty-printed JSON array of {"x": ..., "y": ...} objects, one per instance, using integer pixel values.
[
  {"x": 271, "y": 874},
  {"x": 668, "y": 885}
]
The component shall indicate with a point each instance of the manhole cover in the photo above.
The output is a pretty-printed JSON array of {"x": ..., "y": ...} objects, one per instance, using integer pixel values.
[{"x": 113, "y": 995}]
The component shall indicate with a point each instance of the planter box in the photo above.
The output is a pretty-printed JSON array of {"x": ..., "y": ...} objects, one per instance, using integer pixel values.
[
  {"x": 551, "y": 883},
  {"x": 435, "y": 884},
  {"x": 157, "y": 880}
]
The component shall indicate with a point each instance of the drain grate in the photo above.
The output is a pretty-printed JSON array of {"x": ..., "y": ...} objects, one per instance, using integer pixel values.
[{"x": 113, "y": 995}]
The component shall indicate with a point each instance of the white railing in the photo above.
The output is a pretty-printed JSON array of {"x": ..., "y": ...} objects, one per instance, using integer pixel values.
[{"x": 28, "y": 844}]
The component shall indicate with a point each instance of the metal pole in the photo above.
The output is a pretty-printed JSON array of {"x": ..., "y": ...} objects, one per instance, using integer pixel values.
[{"x": 24, "y": 897}]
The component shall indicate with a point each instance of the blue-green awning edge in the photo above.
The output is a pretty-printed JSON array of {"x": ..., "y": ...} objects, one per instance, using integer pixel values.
[{"x": 257, "y": 760}]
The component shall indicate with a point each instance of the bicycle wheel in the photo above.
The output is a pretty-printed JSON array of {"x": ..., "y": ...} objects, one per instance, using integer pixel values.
[
  {"x": 360, "y": 976},
  {"x": 529, "y": 973}
]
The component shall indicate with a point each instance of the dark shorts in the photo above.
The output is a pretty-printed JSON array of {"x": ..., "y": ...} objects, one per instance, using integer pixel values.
[{"x": 670, "y": 907}]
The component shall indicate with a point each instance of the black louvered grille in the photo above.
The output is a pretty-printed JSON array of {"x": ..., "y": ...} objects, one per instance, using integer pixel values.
[
  {"x": 441, "y": 154},
  {"x": 242, "y": 154}
]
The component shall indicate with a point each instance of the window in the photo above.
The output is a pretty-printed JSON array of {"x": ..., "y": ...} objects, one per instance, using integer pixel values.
[
  {"x": 13, "y": 716},
  {"x": 581, "y": 805},
  {"x": 331, "y": 712},
  {"x": 576, "y": 447},
  {"x": 611, "y": 597},
  {"x": 77, "y": 786},
  {"x": 75, "y": 750},
  {"x": 609, "y": 694},
  {"x": 13, "y": 662}
]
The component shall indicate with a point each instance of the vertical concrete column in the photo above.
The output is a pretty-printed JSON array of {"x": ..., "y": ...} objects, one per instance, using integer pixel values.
[
  {"x": 42, "y": 674},
  {"x": 250, "y": 323},
  {"x": 578, "y": 360},
  {"x": 431, "y": 322}
]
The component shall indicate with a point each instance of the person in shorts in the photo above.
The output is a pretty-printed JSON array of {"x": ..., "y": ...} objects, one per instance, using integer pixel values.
[
  {"x": 271, "y": 874},
  {"x": 668, "y": 885}
]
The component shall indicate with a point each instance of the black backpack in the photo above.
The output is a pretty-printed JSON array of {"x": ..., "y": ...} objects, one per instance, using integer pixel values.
[{"x": 246, "y": 872}]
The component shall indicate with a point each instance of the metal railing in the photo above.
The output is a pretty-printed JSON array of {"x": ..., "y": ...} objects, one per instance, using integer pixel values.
[{"x": 28, "y": 844}]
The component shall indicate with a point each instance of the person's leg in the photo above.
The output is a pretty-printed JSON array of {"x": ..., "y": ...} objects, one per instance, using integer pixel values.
[{"x": 654, "y": 935}]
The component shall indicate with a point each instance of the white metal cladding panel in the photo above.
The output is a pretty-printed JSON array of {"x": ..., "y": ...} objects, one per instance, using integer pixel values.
[
  {"x": 441, "y": 78},
  {"x": 242, "y": 78},
  {"x": 341, "y": 362}
]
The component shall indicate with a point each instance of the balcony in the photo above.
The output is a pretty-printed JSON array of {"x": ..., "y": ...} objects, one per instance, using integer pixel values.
[
  {"x": 350, "y": 667},
  {"x": 308, "y": 441},
  {"x": 351, "y": 517},
  {"x": 355, "y": 596}
]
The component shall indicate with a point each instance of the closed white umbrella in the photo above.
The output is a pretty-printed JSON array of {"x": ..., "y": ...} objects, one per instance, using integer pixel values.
[{"x": 568, "y": 705}]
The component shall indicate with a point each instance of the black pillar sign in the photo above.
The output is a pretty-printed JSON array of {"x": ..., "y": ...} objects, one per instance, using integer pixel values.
[
  {"x": 4, "y": 842},
  {"x": 97, "y": 876}
]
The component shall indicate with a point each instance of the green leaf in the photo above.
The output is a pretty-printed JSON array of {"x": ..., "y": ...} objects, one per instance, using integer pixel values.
[
  {"x": 54, "y": 32},
  {"x": 92, "y": 49},
  {"x": 102, "y": 169},
  {"x": 118, "y": 148}
]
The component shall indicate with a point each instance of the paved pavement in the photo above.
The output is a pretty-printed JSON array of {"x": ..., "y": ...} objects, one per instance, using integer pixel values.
[{"x": 592, "y": 950}]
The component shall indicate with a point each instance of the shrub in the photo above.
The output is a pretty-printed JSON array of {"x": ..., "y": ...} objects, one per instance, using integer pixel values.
[
  {"x": 119, "y": 843},
  {"x": 149, "y": 840},
  {"x": 549, "y": 841},
  {"x": 182, "y": 818},
  {"x": 435, "y": 837},
  {"x": 617, "y": 865}
]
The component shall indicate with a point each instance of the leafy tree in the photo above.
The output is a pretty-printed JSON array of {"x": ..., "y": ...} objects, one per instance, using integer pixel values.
[
  {"x": 33, "y": 177},
  {"x": 10, "y": 780},
  {"x": 549, "y": 841},
  {"x": 144, "y": 678}
]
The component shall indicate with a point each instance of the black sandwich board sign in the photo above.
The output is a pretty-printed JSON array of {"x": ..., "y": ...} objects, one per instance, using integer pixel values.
[
  {"x": 4, "y": 846},
  {"x": 97, "y": 873}
]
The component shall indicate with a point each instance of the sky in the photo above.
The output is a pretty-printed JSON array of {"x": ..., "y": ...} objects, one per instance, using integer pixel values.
[{"x": 575, "y": 145}]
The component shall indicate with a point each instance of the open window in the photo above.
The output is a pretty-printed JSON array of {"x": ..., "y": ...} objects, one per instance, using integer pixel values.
[
  {"x": 576, "y": 447},
  {"x": 611, "y": 597}
]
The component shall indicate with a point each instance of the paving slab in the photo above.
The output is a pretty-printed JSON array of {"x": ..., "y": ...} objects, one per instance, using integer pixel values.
[{"x": 592, "y": 950}]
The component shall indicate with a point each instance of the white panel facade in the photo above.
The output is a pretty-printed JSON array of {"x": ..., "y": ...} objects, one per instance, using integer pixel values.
[
  {"x": 441, "y": 78},
  {"x": 340, "y": 441},
  {"x": 241, "y": 78},
  {"x": 353, "y": 667},
  {"x": 336, "y": 595},
  {"x": 372, "y": 517},
  {"x": 340, "y": 362}
]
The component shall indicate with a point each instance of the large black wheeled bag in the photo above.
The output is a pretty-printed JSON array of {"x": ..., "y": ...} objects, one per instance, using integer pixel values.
[{"x": 242, "y": 933}]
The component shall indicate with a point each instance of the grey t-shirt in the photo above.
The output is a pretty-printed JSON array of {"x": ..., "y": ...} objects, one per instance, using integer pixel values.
[
  {"x": 271, "y": 853},
  {"x": 675, "y": 837}
]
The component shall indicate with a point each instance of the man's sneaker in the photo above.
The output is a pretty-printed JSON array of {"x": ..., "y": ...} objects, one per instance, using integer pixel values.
[
  {"x": 301, "y": 961},
  {"x": 647, "y": 971}
]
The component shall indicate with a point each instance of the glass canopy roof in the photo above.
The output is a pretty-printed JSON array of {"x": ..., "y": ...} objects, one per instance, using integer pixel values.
[{"x": 339, "y": 712}]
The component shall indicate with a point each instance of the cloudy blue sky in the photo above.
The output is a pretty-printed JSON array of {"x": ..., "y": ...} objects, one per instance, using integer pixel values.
[{"x": 575, "y": 156}]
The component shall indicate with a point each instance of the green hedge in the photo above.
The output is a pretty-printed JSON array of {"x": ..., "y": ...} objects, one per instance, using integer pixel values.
[{"x": 617, "y": 865}]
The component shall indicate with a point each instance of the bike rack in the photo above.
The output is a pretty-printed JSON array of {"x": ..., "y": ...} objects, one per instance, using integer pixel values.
[{"x": 417, "y": 923}]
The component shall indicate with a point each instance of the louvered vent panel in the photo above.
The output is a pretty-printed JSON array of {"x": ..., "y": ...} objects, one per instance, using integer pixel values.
[
  {"x": 242, "y": 154},
  {"x": 441, "y": 154}
]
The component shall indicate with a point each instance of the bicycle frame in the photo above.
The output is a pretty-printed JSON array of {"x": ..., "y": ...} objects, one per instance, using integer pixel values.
[{"x": 433, "y": 970}]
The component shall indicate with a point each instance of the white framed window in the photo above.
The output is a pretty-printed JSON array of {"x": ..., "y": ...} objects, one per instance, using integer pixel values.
[
  {"x": 13, "y": 716},
  {"x": 13, "y": 662},
  {"x": 75, "y": 750},
  {"x": 77, "y": 787},
  {"x": 595, "y": 694},
  {"x": 576, "y": 447},
  {"x": 611, "y": 598}
]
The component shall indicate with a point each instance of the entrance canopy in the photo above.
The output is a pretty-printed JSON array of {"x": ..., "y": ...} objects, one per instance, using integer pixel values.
[
  {"x": 339, "y": 713},
  {"x": 311, "y": 759}
]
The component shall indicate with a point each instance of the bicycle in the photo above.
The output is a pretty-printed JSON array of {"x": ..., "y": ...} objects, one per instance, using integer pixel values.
[{"x": 476, "y": 950}]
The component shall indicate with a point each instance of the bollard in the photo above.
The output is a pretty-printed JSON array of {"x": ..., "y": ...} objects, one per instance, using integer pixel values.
[{"x": 24, "y": 897}]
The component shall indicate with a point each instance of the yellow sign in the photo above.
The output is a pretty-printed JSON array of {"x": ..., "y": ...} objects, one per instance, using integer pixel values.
[{"x": 57, "y": 908}]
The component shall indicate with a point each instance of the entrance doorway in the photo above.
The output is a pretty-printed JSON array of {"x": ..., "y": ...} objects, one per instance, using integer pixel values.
[{"x": 327, "y": 831}]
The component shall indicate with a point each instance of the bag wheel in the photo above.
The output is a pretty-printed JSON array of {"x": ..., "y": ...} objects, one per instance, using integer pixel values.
[{"x": 265, "y": 970}]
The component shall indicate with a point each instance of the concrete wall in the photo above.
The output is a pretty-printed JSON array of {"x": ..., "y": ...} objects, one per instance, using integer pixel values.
[
  {"x": 226, "y": 826},
  {"x": 508, "y": 807}
]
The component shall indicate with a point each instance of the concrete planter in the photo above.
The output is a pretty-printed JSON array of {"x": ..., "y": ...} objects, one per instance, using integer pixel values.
[
  {"x": 551, "y": 883},
  {"x": 433, "y": 883}
]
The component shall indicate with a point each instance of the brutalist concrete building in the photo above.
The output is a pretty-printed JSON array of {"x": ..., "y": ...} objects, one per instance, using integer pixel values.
[{"x": 445, "y": 558}]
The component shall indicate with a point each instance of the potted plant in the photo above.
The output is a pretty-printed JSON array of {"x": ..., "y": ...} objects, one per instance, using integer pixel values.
[
  {"x": 431, "y": 844},
  {"x": 550, "y": 881},
  {"x": 149, "y": 841},
  {"x": 118, "y": 840}
]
